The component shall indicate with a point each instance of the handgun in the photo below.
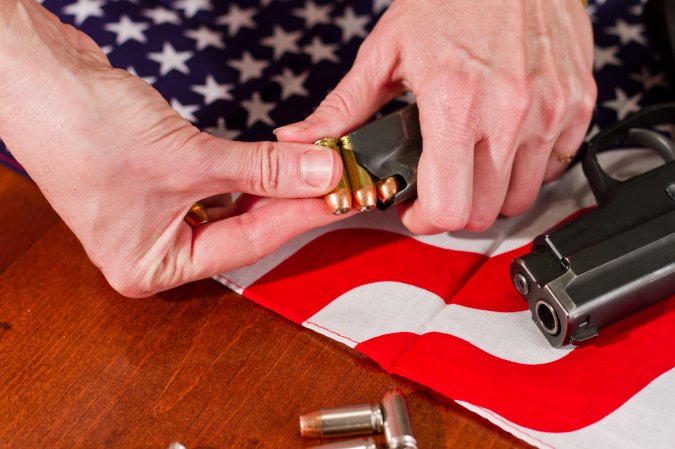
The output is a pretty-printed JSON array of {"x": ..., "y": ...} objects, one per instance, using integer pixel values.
[{"x": 615, "y": 259}]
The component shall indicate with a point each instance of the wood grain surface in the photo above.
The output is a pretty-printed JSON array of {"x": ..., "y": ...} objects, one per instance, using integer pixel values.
[{"x": 83, "y": 367}]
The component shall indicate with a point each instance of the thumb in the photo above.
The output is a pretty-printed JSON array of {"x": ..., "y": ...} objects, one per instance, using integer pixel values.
[
  {"x": 281, "y": 170},
  {"x": 362, "y": 92}
]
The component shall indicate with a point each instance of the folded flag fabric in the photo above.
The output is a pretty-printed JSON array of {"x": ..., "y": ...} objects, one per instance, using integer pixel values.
[{"x": 437, "y": 309}]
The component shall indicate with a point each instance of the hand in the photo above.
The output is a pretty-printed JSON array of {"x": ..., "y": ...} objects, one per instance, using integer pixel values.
[
  {"x": 500, "y": 85},
  {"x": 122, "y": 168}
]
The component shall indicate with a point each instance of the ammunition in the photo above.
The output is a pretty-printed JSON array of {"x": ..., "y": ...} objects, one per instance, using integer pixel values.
[
  {"x": 397, "y": 428},
  {"x": 197, "y": 215},
  {"x": 343, "y": 421},
  {"x": 339, "y": 200},
  {"x": 386, "y": 190},
  {"x": 364, "y": 443},
  {"x": 363, "y": 187}
]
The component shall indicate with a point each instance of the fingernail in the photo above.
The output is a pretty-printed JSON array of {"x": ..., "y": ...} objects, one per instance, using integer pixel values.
[
  {"x": 316, "y": 167},
  {"x": 293, "y": 128}
]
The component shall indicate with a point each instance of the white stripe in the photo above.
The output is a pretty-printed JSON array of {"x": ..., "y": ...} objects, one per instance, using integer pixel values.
[
  {"x": 556, "y": 202},
  {"x": 382, "y": 308},
  {"x": 647, "y": 420}
]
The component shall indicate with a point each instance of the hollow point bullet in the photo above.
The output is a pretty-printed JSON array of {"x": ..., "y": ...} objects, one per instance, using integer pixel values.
[
  {"x": 349, "y": 420},
  {"x": 339, "y": 200},
  {"x": 397, "y": 427},
  {"x": 362, "y": 184},
  {"x": 387, "y": 189},
  {"x": 197, "y": 215}
]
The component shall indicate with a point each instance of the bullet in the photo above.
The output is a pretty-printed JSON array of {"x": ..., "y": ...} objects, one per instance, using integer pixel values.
[
  {"x": 397, "y": 427},
  {"x": 364, "y": 443},
  {"x": 197, "y": 215},
  {"x": 362, "y": 184},
  {"x": 339, "y": 200},
  {"x": 342, "y": 421},
  {"x": 386, "y": 190}
]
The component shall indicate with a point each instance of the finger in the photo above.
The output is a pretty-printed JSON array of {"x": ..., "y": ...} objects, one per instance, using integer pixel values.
[
  {"x": 244, "y": 239},
  {"x": 564, "y": 151},
  {"x": 445, "y": 170},
  {"x": 362, "y": 92},
  {"x": 492, "y": 171},
  {"x": 262, "y": 168},
  {"x": 527, "y": 176}
]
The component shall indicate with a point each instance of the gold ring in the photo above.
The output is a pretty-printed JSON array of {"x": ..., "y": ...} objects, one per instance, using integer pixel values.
[
  {"x": 197, "y": 215},
  {"x": 563, "y": 158}
]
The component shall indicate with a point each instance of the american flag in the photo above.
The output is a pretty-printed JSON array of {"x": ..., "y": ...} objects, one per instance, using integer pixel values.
[{"x": 436, "y": 309}]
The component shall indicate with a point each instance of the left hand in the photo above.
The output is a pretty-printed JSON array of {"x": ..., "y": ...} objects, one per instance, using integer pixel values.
[{"x": 501, "y": 87}]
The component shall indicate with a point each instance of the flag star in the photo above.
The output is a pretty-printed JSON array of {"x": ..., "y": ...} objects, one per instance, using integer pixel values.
[
  {"x": 162, "y": 15},
  {"x": 292, "y": 84},
  {"x": 380, "y": 5},
  {"x": 185, "y": 111},
  {"x": 624, "y": 105},
  {"x": 212, "y": 91},
  {"x": 352, "y": 25},
  {"x": 83, "y": 9},
  {"x": 221, "y": 131},
  {"x": 206, "y": 37},
  {"x": 282, "y": 41},
  {"x": 649, "y": 80},
  {"x": 237, "y": 18},
  {"x": 192, "y": 7},
  {"x": 169, "y": 59},
  {"x": 314, "y": 14},
  {"x": 258, "y": 110},
  {"x": 126, "y": 30},
  {"x": 627, "y": 32},
  {"x": 605, "y": 56},
  {"x": 248, "y": 67},
  {"x": 320, "y": 51},
  {"x": 148, "y": 79},
  {"x": 107, "y": 49}
]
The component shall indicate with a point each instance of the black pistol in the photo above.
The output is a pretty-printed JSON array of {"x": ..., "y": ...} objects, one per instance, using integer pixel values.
[{"x": 617, "y": 258}]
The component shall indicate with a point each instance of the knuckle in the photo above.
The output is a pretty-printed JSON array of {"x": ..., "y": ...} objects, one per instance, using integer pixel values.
[
  {"x": 336, "y": 102},
  {"x": 269, "y": 162},
  {"x": 520, "y": 98},
  {"x": 442, "y": 216},
  {"x": 555, "y": 108}
]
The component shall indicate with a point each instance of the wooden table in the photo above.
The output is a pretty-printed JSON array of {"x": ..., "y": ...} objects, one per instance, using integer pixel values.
[{"x": 85, "y": 367}]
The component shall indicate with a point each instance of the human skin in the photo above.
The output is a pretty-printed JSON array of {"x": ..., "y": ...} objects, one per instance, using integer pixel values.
[
  {"x": 122, "y": 168},
  {"x": 502, "y": 87}
]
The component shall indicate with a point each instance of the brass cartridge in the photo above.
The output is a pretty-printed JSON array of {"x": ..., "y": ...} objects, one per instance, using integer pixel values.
[
  {"x": 364, "y": 443},
  {"x": 350, "y": 420},
  {"x": 197, "y": 215},
  {"x": 339, "y": 200},
  {"x": 386, "y": 190},
  {"x": 397, "y": 428},
  {"x": 362, "y": 184}
]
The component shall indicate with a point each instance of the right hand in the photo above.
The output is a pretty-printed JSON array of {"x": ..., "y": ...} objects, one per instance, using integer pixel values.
[{"x": 122, "y": 168}]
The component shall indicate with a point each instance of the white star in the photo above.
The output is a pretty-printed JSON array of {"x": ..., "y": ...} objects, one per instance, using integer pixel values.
[
  {"x": 314, "y": 14},
  {"x": 148, "y": 79},
  {"x": 212, "y": 91},
  {"x": 107, "y": 49},
  {"x": 126, "y": 30},
  {"x": 237, "y": 19},
  {"x": 648, "y": 80},
  {"x": 258, "y": 110},
  {"x": 206, "y": 37},
  {"x": 162, "y": 15},
  {"x": 627, "y": 32},
  {"x": 170, "y": 59},
  {"x": 320, "y": 51},
  {"x": 185, "y": 111},
  {"x": 83, "y": 9},
  {"x": 192, "y": 7},
  {"x": 605, "y": 56},
  {"x": 248, "y": 67},
  {"x": 379, "y": 5},
  {"x": 282, "y": 41},
  {"x": 292, "y": 84},
  {"x": 221, "y": 131},
  {"x": 623, "y": 105},
  {"x": 352, "y": 25}
]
